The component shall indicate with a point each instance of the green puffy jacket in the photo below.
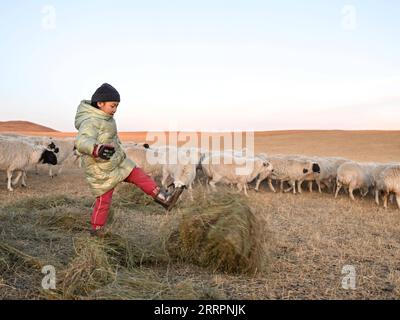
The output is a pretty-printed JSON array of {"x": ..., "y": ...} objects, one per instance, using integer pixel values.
[{"x": 97, "y": 127}]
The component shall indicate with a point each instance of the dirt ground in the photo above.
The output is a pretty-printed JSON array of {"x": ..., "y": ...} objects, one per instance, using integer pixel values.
[{"x": 313, "y": 236}]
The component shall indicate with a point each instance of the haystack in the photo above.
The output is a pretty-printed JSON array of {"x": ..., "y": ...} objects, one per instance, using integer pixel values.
[{"x": 221, "y": 233}]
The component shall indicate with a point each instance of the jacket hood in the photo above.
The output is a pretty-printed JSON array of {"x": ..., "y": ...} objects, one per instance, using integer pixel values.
[{"x": 87, "y": 111}]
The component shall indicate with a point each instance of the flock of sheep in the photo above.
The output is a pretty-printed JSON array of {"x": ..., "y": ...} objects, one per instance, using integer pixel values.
[
  {"x": 181, "y": 166},
  {"x": 333, "y": 173}
]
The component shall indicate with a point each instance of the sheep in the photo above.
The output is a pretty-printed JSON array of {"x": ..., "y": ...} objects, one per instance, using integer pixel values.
[
  {"x": 47, "y": 142},
  {"x": 217, "y": 171},
  {"x": 180, "y": 164},
  {"x": 42, "y": 141},
  {"x": 187, "y": 162},
  {"x": 299, "y": 170},
  {"x": 18, "y": 155},
  {"x": 181, "y": 174},
  {"x": 389, "y": 182},
  {"x": 39, "y": 141},
  {"x": 287, "y": 168},
  {"x": 327, "y": 174},
  {"x": 311, "y": 175},
  {"x": 64, "y": 150},
  {"x": 175, "y": 155},
  {"x": 355, "y": 176}
]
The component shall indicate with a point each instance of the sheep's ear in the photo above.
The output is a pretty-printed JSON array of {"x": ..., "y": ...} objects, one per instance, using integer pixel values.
[{"x": 264, "y": 164}]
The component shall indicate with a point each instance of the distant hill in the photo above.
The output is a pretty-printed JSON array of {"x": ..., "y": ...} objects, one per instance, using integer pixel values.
[{"x": 23, "y": 126}]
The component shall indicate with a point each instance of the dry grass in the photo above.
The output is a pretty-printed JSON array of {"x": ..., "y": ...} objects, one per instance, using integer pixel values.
[{"x": 311, "y": 237}]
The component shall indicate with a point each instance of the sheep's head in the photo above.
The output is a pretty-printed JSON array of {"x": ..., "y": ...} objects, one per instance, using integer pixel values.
[
  {"x": 316, "y": 168},
  {"x": 53, "y": 147},
  {"x": 268, "y": 166},
  {"x": 48, "y": 157}
]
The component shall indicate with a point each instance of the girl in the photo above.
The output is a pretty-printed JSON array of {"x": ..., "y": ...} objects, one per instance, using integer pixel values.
[{"x": 105, "y": 161}]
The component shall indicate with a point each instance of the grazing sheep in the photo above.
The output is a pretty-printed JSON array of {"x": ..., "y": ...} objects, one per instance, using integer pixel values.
[
  {"x": 327, "y": 174},
  {"x": 18, "y": 155},
  {"x": 181, "y": 174},
  {"x": 39, "y": 141},
  {"x": 312, "y": 175},
  {"x": 287, "y": 168},
  {"x": 355, "y": 176},
  {"x": 388, "y": 181},
  {"x": 64, "y": 150},
  {"x": 218, "y": 171}
]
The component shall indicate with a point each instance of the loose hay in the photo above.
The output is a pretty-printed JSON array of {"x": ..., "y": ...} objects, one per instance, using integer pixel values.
[
  {"x": 145, "y": 284},
  {"x": 91, "y": 268},
  {"x": 221, "y": 233},
  {"x": 47, "y": 202},
  {"x": 10, "y": 251},
  {"x": 61, "y": 218}
]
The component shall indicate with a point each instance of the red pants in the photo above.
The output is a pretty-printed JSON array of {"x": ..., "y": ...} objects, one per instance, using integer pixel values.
[{"x": 103, "y": 203}]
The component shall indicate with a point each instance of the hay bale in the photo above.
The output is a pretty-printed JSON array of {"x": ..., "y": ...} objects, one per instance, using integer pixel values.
[{"x": 221, "y": 233}]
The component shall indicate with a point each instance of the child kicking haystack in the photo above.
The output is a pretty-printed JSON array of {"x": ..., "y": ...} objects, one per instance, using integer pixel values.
[{"x": 104, "y": 160}]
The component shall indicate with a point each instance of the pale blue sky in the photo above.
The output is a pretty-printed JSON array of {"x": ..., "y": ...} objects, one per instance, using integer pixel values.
[{"x": 211, "y": 65}]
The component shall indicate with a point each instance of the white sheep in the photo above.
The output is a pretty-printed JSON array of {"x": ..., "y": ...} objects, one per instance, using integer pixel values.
[
  {"x": 287, "y": 168},
  {"x": 328, "y": 172},
  {"x": 181, "y": 175},
  {"x": 36, "y": 140},
  {"x": 229, "y": 169},
  {"x": 355, "y": 176},
  {"x": 65, "y": 150},
  {"x": 18, "y": 155},
  {"x": 388, "y": 181}
]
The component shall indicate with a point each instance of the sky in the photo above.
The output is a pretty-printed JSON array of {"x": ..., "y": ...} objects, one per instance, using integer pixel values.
[{"x": 204, "y": 65}]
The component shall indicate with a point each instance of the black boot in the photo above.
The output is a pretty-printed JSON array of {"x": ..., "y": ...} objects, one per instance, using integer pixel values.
[{"x": 168, "y": 199}]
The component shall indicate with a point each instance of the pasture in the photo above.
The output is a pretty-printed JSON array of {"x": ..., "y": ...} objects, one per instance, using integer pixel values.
[{"x": 310, "y": 236}]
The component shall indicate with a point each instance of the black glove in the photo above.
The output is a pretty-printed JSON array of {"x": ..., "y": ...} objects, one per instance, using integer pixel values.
[{"x": 104, "y": 151}]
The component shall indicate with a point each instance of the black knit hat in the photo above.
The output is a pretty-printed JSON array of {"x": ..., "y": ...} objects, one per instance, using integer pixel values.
[{"x": 106, "y": 93}]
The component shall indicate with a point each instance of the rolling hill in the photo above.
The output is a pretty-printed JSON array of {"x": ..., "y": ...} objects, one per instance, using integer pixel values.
[{"x": 23, "y": 126}]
